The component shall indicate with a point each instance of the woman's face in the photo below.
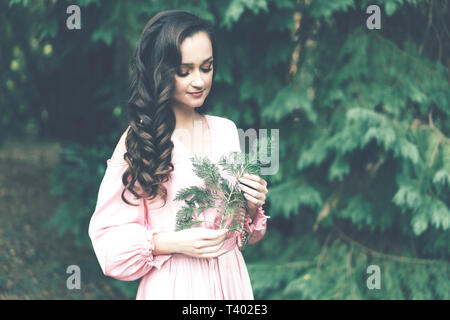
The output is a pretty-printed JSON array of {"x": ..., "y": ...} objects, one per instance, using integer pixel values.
[{"x": 195, "y": 72}]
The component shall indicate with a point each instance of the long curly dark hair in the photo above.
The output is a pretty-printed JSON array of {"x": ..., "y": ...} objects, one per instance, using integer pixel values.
[{"x": 150, "y": 116}]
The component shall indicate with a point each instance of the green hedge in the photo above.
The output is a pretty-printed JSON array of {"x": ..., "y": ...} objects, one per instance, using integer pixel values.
[{"x": 363, "y": 115}]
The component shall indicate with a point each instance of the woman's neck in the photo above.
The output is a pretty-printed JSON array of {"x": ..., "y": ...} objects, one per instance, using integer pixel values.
[{"x": 186, "y": 119}]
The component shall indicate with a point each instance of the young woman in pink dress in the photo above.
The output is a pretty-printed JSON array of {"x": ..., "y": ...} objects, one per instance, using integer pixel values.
[{"x": 133, "y": 226}]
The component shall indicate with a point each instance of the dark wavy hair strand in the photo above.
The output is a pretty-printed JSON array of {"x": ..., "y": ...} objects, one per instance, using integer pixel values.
[{"x": 150, "y": 116}]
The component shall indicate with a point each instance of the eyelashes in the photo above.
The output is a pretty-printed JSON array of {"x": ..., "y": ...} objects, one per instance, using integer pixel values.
[{"x": 187, "y": 73}]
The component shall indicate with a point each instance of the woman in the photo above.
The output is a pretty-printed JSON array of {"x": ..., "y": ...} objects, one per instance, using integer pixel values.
[{"x": 174, "y": 67}]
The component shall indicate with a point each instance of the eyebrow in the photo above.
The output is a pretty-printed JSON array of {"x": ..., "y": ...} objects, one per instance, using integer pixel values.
[{"x": 191, "y": 64}]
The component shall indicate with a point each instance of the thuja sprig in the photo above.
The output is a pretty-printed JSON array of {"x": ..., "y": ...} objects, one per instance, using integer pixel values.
[{"x": 219, "y": 193}]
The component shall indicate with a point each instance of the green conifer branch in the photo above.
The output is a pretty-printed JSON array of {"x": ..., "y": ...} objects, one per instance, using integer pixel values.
[{"x": 218, "y": 193}]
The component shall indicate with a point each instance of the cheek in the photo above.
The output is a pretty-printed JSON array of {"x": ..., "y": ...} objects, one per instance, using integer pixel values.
[
  {"x": 208, "y": 80},
  {"x": 180, "y": 86}
]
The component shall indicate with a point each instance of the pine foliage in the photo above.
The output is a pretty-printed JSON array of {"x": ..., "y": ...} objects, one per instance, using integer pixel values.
[
  {"x": 219, "y": 193},
  {"x": 363, "y": 118}
]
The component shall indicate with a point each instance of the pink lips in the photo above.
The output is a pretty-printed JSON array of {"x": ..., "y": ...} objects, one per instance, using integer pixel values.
[{"x": 196, "y": 94}]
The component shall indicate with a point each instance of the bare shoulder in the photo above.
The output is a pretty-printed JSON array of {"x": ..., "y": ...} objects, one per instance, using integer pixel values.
[{"x": 121, "y": 148}]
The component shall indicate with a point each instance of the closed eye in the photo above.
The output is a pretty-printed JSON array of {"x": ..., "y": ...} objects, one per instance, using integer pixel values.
[{"x": 206, "y": 70}]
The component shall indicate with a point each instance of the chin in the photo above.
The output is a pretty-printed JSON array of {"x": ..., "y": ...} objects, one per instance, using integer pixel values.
[{"x": 197, "y": 104}]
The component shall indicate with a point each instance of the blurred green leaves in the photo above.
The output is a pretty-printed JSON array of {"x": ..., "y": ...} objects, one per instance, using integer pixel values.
[{"x": 363, "y": 119}]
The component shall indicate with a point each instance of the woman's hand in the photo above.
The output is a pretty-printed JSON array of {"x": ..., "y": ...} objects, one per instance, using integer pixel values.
[
  {"x": 200, "y": 242},
  {"x": 255, "y": 191}
]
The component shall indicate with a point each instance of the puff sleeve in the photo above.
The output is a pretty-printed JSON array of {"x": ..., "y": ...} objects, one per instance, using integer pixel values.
[
  {"x": 121, "y": 238},
  {"x": 258, "y": 226}
]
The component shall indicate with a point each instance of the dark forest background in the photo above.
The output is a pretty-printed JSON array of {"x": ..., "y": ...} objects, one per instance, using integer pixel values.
[{"x": 363, "y": 118}]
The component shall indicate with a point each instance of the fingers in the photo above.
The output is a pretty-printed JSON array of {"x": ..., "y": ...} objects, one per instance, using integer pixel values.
[
  {"x": 211, "y": 249},
  {"x": 204, "y": 243},
  {"x": 208, "y": 252},
  {"x": 254, "y": 188},
  {"x": 200, "y": 245},
  {"x": 254, "y": 185},
  {"x": 253, "y": 196},
  {"x": 211, "y": 234},
  {"x": 250, "y": 191},
  {"x": 212, "y": 242},
  {"x": 254, "y": 177},
  {"x": 256, "y": 202}
]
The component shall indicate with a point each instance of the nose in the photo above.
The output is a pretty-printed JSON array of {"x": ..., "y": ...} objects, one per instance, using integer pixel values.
[{"x": 197, "y": 81}]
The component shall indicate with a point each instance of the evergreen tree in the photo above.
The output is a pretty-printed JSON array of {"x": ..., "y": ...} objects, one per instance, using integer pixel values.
[
  {"x": 219, "y": 193},
  {"x": 364, "y": 150}
]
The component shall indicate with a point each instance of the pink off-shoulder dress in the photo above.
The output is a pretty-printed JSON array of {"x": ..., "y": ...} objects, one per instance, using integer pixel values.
[{"x": 122, "y": 235}]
